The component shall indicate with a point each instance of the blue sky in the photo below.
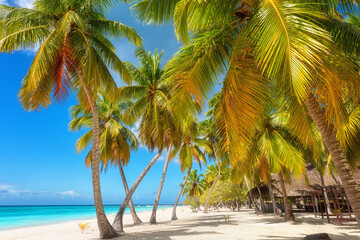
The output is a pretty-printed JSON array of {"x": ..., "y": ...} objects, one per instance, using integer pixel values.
[{"x": 38, "y": 161}]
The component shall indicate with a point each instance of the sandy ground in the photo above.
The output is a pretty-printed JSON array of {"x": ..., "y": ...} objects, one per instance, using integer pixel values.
[{"x": 195, "y": 226}]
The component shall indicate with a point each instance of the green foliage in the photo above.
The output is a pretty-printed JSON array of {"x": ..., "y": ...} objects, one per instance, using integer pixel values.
[
  {"x": 195, "y": 184},
  {"x": 193, "y": 202},
  {"x": 212, "y": 172},
  {"x": 227, "y": 193}
]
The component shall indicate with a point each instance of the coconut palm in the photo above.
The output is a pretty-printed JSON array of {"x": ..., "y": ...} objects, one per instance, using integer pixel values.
[
  {"x": 275, "y": 150},
  {"x": 189, "y": 150},
  {"x": 150, "y": 108},
  {"x": 116, "y": 140},
  {"x": 74, "y": 54},
  {"x": 182, "y": 185},
  {"x": 207, "y": 129},
  {"x": 294, "y": 44},
  {"x": 195, "y": 185}
]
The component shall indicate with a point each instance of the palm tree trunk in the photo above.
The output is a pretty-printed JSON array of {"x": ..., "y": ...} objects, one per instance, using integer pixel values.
[
  {"x": 351, "y": 188},
  {"x": 135, "y": 217},
  {"x": 251, "y": 195},
  {"x": 105, "y": 228},
  {"x": 262, "y": 204},
  {"x": 214, "y": 183},
  {"x": 118, "y": 221},
  {"x": 174, "y": 217},
  {"x": 289, "y": 216},
  {"x": 271, "y": 192},
  {"x": 156, "y": 203}
]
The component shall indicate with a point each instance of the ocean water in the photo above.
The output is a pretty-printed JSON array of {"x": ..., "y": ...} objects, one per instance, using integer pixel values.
[{"x": 24, "y": 216}]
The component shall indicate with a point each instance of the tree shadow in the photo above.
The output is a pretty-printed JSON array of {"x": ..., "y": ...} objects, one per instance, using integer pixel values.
[
  {"x": 163, "y": 234},
  {"x": 341, "y": 236},
  {"x": 272, "y": 237}
]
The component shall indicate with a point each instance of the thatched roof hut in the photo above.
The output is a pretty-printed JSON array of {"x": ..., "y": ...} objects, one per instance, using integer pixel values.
[{"x": 303, "y": 186}]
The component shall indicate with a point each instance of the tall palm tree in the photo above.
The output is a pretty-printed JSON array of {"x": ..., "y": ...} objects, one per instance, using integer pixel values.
[
  {"x": 116, "y": 141},
  {"x": 189, "y": 150},
  {"x": 294, "y": 44},
  {"x": 156, "y": 118},
  {"x": 74, "y": 54}
]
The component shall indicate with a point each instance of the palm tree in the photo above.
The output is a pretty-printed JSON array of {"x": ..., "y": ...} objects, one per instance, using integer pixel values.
[
  {"x": 274, "y": 150},
  {"x": 74, "y": 54},
  {"x": 182, "y": 185},
  {"x": 116, "y": 141},
  {"x": 294, "y": 44},
  {"x": 157, "y": 120},
  {"x": 195, "y": 185},
  {"x": 189, "y": 150},
  {"x": 207, "y": 128}
]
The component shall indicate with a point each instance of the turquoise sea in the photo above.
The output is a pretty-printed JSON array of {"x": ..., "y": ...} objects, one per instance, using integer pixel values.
[{"x": 24, "y": 216}]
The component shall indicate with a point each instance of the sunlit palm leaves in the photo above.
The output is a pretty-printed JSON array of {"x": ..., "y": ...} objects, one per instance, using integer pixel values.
[
  {"x": 261, "y": 47},
  {"x": 150, "y": 95},
  {"x": 116, "y": 140},
  {"x": 72, "y": 45},
  {"x": 190, "y": 147},
  {"x": 195, "y": 184}
]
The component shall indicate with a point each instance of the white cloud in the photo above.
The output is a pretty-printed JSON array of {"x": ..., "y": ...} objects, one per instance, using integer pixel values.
[
  {"x": 70, "y": 193},
  {"x": 24, "y": 3},
  {"x": 4, "y": 186},
  {"x": 7, "y": 191},
  {"x": 3, "y": 2}
]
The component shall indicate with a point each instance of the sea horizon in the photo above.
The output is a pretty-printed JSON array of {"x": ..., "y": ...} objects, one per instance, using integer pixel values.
[{"x": 19, "y": 216}]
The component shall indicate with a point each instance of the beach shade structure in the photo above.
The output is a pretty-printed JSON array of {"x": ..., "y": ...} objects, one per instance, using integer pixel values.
[
  {"x": 337, "y": 203},
  {"x": 300, "y": 191}
]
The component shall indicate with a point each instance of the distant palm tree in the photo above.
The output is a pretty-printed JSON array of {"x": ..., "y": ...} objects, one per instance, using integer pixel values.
[
  {"x": 195, "y": 185},
  {"x": 74, "y": 54},
  {"x": 188, "y": 150},
  {"x": 116, "y": 140},
  {"x": 156, "y": 119},
  {"x": 208, "y": 131},
  {"x": 182, "y": 185}
]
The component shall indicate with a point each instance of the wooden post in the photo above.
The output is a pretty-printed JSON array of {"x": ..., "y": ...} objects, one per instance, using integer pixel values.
[
  {"x": 326, "y": 207},
  {"x": 313, "y": 203}
]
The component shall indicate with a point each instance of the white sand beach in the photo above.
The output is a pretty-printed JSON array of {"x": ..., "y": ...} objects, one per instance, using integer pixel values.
[{"x": 195, "y": 226}]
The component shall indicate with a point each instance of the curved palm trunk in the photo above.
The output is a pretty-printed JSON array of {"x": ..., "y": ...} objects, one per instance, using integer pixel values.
[
  {"x": 251, "y": 195},
  {"x": 105, "y": 228},
  {"x": 118, "y": 221},
  {"x": 135, "y": 217},
  {"x": 271, "y": 192},
  {"x": 214, "y": 183},
  {"x": 156, "y": 203},
  {"x": 262, "y": 204},
  {"x": 289, "y": 216},
  {"x": 351, "y": 188},
  {"x": 174, "y": 217}
]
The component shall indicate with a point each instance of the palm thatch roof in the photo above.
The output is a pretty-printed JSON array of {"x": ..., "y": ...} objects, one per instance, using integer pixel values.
[{"x": 303, "y": 186}]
